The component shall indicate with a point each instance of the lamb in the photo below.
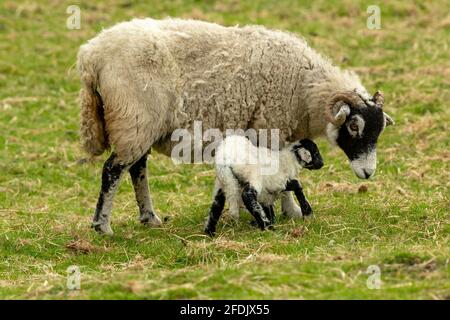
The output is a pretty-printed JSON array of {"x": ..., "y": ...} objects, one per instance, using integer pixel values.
[
  {"x": 143, "y": 79},
  {"x": 241, "y": 175}
]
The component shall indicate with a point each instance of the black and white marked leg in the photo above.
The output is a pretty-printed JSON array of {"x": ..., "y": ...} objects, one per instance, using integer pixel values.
[
  {"x": 268, "y": 210},
  {"x": 289, "y": 207},
  {"x": 270, "y": 214},
  {"x": 112, "y": 172},
  {"x": 249, "y": 197},
  {"x": 294, "y": 185},
  {"x": 138, "y": 173},
  {"x": 215, "y": 212}
]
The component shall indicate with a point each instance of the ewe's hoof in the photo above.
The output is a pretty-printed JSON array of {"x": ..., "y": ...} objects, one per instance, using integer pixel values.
[
  {"x": 103, "y": 229},
  {"x": 150, "y": 219},
  {"x": 310, "y": 216},
  {"x": 230, "y": 219},
  {"x": 294, "y": 213}
]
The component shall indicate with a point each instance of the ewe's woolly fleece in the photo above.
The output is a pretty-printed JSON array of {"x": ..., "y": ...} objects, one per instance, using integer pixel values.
[{"x": 154, "y": 76}]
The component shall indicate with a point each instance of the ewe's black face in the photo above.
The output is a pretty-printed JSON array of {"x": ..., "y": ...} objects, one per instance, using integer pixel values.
[
  {"x": 308, "y": 154},
  {"x": 355, "y": 125},
  {"x": 358, "y": 137},
  {"x": 356, "y": 120}
]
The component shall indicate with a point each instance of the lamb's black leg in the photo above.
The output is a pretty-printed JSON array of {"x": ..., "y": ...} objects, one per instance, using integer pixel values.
[
  {"x": 138, "y": 173},
  {"x": 268, "y": 210},
  {"x": 294, "y": 185},
  {"x": 215, "y": 212},
  {"x": 270, "y": 214},
  {"x": 112, "y": 172},
  {"x": 249, "y": 197}
]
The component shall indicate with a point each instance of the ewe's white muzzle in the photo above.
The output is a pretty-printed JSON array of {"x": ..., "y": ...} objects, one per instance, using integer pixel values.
[{"x": 365, "y": 165}]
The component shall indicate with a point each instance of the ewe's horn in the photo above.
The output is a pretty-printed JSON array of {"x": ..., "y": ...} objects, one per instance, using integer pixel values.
[
  {"x": 345, "y": 97},
  {"x": 378, "y": 98}
]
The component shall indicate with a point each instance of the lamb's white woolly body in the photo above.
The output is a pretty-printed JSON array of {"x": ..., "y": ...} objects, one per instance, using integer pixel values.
[{"x": 237, "y": 158}]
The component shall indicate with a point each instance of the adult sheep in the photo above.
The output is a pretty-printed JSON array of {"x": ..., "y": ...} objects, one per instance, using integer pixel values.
[{"x": 142, "y": 79}]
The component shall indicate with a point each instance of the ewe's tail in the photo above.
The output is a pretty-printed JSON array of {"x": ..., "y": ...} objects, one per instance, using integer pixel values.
[{"x": 94, "y": 139}]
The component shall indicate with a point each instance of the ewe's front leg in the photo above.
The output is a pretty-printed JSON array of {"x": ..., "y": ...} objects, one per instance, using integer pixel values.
[
  {"x": 112, "y": 172},
  {"x": 138, "y": 173},
  {"x": 289, "y": 207},
  {"x": 294, "y": 185},
  {"x": 250, "y": 196}
]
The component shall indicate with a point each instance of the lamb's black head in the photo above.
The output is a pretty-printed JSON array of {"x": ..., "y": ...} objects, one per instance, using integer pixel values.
[
  {"x": 356, "y": 122},
  {"x": 308, "y": 154}
]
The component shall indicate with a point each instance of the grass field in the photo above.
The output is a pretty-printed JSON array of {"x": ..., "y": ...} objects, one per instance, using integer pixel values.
[{"x": 48, "y": 195}]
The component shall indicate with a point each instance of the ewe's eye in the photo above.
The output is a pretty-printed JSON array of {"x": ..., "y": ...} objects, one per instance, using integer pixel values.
[{"x": 356, "y": 126}]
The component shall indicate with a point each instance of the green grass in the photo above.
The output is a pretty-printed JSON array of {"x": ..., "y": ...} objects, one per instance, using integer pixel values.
[{"x": 47, "y": 196}]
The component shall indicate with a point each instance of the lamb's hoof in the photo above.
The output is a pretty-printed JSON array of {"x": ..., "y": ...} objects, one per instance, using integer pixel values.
[
  {"x": 267, "y": 225},
  {"x": 210, "y": 231},
  {"x": 307, "y": 210},
  {"x": 102, "y": 228},
  {"x": 151, "y": 219},
  {"x": 253, "y": 223}
]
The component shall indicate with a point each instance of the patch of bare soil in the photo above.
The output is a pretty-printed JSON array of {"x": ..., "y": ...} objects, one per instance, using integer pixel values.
[{"x": 82, "y": 246}]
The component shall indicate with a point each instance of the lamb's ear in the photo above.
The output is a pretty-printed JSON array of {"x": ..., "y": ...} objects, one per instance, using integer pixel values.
[
  {"x": 296, "y": 145},
  {"x": 389, "y": 120}
]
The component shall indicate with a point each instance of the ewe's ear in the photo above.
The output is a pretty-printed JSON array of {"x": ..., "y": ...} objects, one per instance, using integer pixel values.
[
  {"x": 378, "y": 98},
  {"x": 389, "y": 120}
]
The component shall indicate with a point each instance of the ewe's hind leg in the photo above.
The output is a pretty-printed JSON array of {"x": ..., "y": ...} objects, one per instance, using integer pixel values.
[
  {"x": 232, "y": 190},
  {"x": 234, "y": 206},
  {"x": 250, "y": 196},
  {"x": 234, "y": 199},
  {"x": 215, "y": 212},
  {"x": 289, "y": 207},
  {"x": 138, "y": 173},
  {"x": 112, "y": 172}
]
